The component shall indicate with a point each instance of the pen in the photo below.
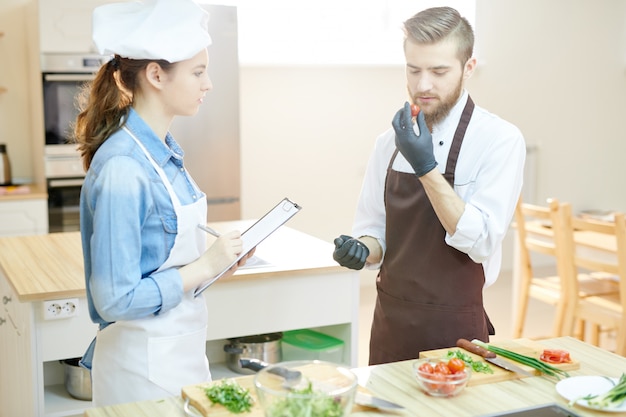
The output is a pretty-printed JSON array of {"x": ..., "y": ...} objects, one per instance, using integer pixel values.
[{"x": 209, "y": 230}]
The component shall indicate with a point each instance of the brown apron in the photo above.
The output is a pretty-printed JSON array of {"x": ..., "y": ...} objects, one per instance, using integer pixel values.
[{"x": 429, "y": 293}]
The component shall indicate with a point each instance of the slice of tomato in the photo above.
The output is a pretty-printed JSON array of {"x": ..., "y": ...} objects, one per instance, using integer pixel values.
[{"x": 555, "y": 356}]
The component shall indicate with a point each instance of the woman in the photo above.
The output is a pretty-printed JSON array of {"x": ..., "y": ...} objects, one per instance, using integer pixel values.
[{"x": 143, "y": 252}]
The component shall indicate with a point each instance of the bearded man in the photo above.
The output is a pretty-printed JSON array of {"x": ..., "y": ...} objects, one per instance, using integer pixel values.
[{"x": 438, "y": 195}]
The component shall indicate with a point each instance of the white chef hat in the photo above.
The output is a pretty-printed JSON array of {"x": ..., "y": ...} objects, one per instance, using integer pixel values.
[{"x": 174, "y": 30}]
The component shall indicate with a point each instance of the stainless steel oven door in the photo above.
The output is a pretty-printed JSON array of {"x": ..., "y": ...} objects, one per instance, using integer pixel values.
[
  {"x": 60, "y": 109},
  {"x": 64, "y": 204}
]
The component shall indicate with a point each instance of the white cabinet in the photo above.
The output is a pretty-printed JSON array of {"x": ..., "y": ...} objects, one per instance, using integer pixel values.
[
  {"x": 19, "y": 376},
  {"x": 20, "y": 217},
  {"x": 302, "y": 288}
]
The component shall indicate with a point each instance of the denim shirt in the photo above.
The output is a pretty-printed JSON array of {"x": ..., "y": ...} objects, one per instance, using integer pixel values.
[{"x": 128, "y": 226}]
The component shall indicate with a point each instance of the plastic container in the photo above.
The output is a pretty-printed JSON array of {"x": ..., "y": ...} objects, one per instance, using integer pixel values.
[{"x": 308, "y": 344}]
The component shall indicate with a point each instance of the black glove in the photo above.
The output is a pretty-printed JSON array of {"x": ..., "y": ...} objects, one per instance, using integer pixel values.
[
  {"x": 418, "y": 150},
  {"x": 350, "y": 253}
]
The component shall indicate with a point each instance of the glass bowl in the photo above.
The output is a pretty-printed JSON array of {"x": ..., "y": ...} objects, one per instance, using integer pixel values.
[
  {"x": 435, "y": 381},
  {"x": 318, "y": 389}
]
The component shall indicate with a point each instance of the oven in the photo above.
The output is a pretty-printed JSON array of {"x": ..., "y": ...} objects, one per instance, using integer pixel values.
[{"x": 63, "y": 75}]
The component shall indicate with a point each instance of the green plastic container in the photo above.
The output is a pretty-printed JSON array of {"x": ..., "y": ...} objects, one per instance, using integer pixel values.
[{"x": 308, "y": 344}]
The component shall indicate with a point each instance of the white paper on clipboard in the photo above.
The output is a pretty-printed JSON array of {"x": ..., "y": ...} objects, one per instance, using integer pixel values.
[{"x": 256, "y": 233}]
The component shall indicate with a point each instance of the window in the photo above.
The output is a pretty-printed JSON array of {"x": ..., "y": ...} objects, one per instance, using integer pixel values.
[{"x": 328, "y": 32}]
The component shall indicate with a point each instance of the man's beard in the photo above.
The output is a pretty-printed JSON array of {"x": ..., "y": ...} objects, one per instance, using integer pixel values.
[{"x": 442, "y": 110}]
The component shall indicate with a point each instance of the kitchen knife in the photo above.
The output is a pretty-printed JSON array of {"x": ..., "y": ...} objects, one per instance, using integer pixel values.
[
  {"x": 370, "y": 401},
  {"x": 491, "y": 357}
]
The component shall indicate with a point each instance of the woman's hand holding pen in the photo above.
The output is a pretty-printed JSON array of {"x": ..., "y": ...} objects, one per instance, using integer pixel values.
[{"x": 222, "y": 252}]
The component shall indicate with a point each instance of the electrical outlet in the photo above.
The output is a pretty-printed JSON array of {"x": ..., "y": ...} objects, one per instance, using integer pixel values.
[{"x": 60, "y": 309}]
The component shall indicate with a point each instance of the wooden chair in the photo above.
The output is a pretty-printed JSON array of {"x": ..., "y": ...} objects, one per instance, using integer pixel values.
[
  {"x": 601, "y": 311},
  {"x": 540, "y": 230}
]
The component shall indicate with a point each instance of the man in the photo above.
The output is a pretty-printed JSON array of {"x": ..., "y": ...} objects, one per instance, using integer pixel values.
[{"x": 437, "y": 199}]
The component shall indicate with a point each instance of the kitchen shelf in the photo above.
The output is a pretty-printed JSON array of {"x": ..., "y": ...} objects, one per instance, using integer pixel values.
[
  {"x": 222, "y": 371},
  {"x": 60, "y": 404}
]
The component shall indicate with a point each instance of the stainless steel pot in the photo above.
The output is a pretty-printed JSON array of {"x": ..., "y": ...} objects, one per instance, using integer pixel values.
[
  {"x": 77, "y": 380},
  {"x": 264, "y": 347}
]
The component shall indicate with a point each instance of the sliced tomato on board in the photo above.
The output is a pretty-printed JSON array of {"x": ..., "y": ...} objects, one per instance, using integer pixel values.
[{"x": 555, "y": 356}]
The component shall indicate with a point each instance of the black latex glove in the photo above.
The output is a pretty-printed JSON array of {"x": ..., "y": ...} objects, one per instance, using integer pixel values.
[
  {"x": 350, "y": 253},
  {"x": 418, "y": 150}
]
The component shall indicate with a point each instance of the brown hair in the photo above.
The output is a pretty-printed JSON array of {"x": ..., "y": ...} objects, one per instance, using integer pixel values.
[
  {"x": 105, "y": 102},
  {"x": 438, "y": 23}
]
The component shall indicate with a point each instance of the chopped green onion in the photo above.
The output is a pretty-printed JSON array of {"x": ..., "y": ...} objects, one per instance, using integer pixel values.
[
  {"x": 231, "y": 395},
  {"x": 613, "y": 397},
  {"x": 535, "y": 363},
  {"x": 477, "y": 366}
]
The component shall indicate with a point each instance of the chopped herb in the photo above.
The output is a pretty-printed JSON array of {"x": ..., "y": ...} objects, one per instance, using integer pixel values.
[
  {"x": 231, "y": 395},
  {"x": 477, "y": 366}
]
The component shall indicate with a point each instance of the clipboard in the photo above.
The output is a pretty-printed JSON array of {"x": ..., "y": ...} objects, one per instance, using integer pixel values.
[{"x": 257, "y": 233}]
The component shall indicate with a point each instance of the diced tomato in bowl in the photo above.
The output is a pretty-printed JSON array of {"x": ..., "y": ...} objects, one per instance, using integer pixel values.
[{"x": 441, "y": 377}]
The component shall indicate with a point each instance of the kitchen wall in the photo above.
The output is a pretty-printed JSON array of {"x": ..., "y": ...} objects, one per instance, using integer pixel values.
[
  {"x": 17, "y": 68},
  {"x": 555, "y": 68}
]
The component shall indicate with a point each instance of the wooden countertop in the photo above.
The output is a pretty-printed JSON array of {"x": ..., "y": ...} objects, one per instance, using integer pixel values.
[
  {"x": 395, "y": 382},
  {"x": 44, "y": 267},
  {"x": 35, "y": 192}
]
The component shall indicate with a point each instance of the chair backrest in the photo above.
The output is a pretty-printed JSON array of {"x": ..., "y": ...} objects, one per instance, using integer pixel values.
[
  {"x": 598, "y": 246},
  {"x": 537, "y": 233}
]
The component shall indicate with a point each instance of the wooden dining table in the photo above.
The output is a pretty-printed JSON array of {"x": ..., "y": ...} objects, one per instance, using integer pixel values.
[{"x": 396, "y": 382}]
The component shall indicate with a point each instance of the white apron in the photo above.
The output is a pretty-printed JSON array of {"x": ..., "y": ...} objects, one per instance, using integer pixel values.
[{"x": 154, "y": 357}]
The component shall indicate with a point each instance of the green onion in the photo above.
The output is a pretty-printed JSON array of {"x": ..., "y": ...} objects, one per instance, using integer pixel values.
[
  {"x": 535, "y": 363},
  {"x": 231, "y": 395},
  {"x": 613, "y": 397},
  {"x": 477, "y": 366}
]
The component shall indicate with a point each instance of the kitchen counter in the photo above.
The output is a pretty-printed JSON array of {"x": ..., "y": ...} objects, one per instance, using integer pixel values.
[
  {"x": 281, "y": 290},
  {"x": 50, "y": 266},
  {"x": 395, "y": 382},
  {"x": 23, "y": 210},
  {"x": 23, "y": 192}
]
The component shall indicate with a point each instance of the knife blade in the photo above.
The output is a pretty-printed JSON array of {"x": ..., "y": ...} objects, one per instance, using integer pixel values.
[
  {"x": 491, "y": 357},
  {"x": 370, "y": 401}
]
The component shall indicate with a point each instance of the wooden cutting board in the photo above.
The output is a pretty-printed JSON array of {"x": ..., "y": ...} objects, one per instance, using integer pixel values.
[
  {"x": 524, "y": 346},
  {"x": 199, "y": 401}
]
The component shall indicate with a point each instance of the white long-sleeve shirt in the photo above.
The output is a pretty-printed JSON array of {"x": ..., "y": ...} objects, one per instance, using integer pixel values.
[{"x": 488, "y": 177}]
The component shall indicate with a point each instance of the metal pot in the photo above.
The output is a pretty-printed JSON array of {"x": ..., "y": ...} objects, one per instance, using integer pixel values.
[
  {"x": 77, "y": 380},
  {"x": 264, "y": 347}
]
